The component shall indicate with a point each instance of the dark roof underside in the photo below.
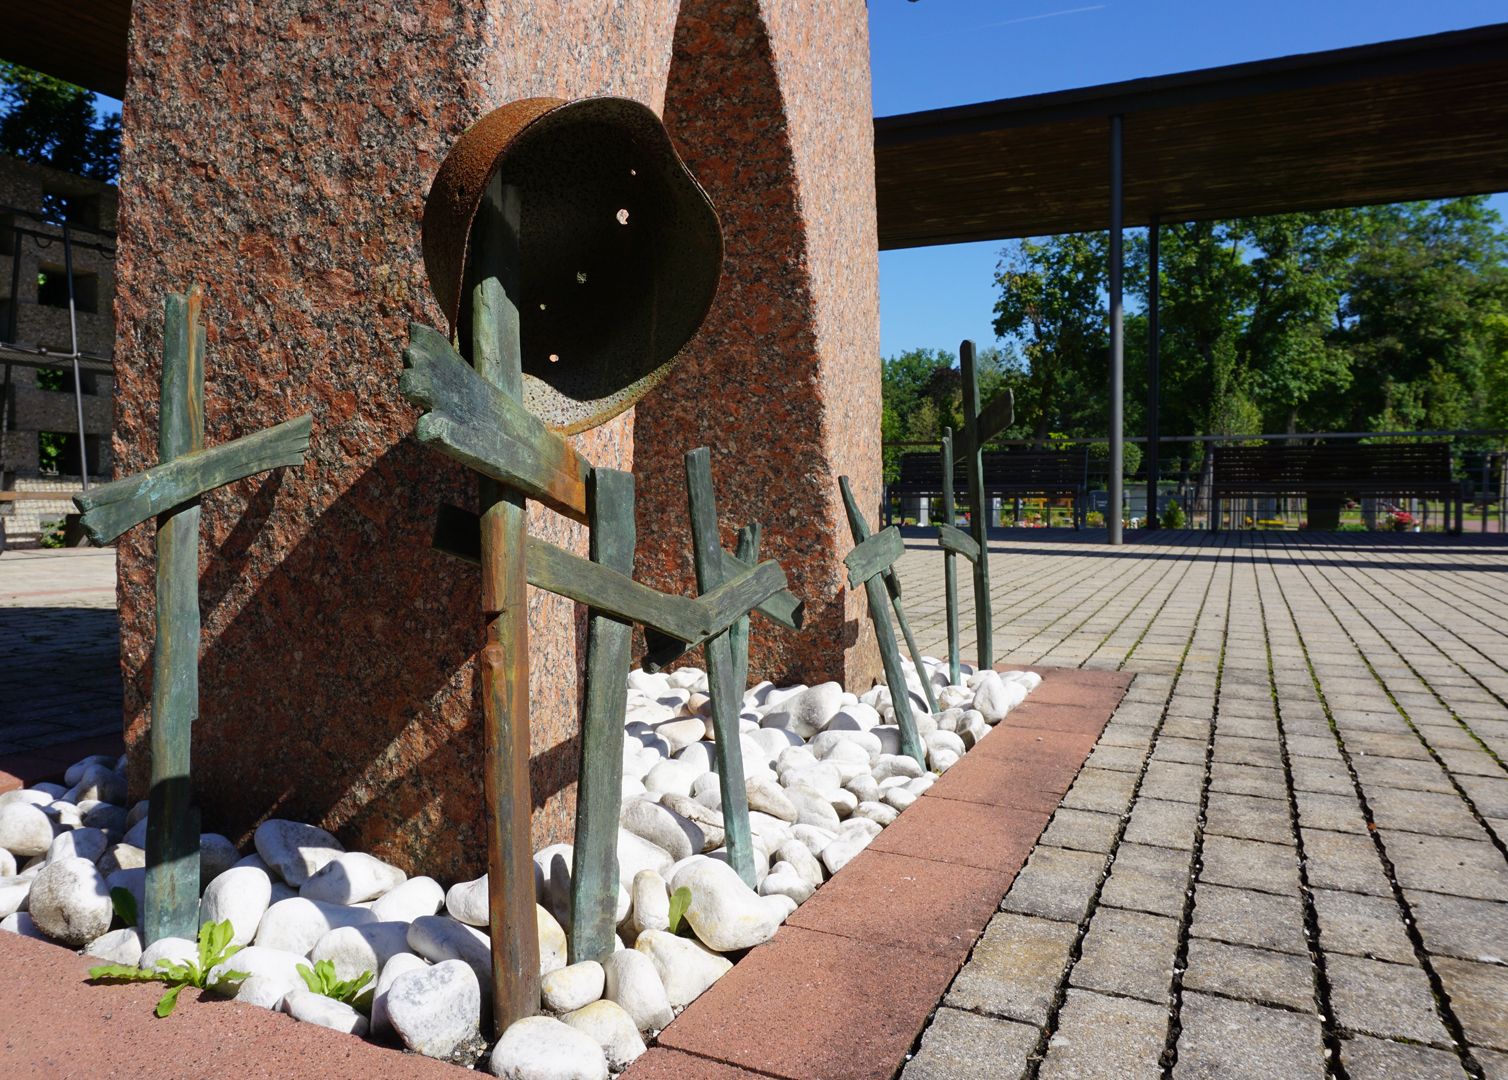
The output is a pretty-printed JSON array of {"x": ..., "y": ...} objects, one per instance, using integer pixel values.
[
  {"x": 1413, "y": 119},
  {"x": 82, "y": 41}
]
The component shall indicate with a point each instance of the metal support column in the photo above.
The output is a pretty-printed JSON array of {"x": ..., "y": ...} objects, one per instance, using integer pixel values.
[
  {"x": 78, "y": 382},
  {"x": 1154, "y": 391},
  {"x": 1117, "y": 337}
]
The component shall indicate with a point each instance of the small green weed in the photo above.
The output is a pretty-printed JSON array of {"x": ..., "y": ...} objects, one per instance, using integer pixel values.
[
  {"x": 321, "y": 979},
  {"x": 124, "y": 903},
  {"x": 214, "y": 949},
  {"x": 680, "y": 900}
]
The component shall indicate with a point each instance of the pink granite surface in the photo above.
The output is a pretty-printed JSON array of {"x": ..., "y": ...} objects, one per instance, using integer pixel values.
[
  {"x": 279, "y": 153},
  {"x": 769, "y": 103}
]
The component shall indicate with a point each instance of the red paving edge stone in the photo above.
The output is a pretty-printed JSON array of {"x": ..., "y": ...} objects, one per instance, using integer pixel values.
[
  {"x": 662, "y": 1064},
  {"x": 900, "y": 900},
  {"x": 845, "y": 987},
  {"x": 54, "y": 1025},
  {"x": 50, "y": 762},
  {"x": 815, "y": 1006}
]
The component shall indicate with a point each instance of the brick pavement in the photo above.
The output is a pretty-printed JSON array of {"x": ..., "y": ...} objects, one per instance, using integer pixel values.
[
  {"x": 59, "y": 666},
  {"x": 1285, "y": 856}
]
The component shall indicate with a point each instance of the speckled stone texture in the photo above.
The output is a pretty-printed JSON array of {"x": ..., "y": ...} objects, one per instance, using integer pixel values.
[
  {"x": 769, "y": 103},
  {"x": 279, "y": 153}
]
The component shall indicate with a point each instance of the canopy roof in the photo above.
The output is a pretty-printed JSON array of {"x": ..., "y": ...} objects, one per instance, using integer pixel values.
[
  {"x": 81, "y": 41},
  {"x": 1417, "y": 118}
]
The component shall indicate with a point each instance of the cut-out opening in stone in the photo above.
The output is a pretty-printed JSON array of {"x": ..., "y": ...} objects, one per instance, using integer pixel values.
[
  {"x": 622, "y": 216},
  {"x": 554, "y": 358}
]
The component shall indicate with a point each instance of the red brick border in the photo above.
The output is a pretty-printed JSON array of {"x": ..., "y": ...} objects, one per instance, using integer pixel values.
[
  {"x": 845, "y": 987},
  {"x": 841, "y": 993}
]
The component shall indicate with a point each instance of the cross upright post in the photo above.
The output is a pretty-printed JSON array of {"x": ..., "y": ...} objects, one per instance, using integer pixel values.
[
  {"x": 504, "y": 659},
  {"x": 170, "y": 492}
]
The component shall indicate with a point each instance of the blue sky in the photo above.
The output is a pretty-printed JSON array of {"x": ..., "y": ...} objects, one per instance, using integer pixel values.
[{"x": 937, "y": 53}]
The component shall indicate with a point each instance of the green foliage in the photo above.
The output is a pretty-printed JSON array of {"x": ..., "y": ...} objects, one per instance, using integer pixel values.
[
  {"x": 322, "y": 980},
  {"x": 214, "y": 949},
  {"x": 52, "y": 534},
  {"x": 124, "y": 902},
  {"x": 1173, "y": 516},
  {"x": 51, "y": 122},
  {"x": 52, "y": 379},
  {"x": 50, "y": 447},
  {"x": 680, "y": 900}
]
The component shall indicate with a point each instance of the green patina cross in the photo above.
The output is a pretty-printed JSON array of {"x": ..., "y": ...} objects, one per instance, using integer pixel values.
[
  {"x": 475, "y": 417},
  {"x": 170, "y": 492},
  {"x": 979, "y": 427},
  {"x": 871, "y": 564}
]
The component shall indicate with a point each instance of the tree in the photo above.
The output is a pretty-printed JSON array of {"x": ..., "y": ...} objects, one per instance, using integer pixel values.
[
  {"x": 1051, "y": 302},
  {"x": 1427, "y": 286},
  {"x": 51, "y": 122}
]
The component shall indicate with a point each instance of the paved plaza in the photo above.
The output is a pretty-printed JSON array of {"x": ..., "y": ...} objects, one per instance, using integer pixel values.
[
  {"x": 59, "y": 647},
  {"x": 1285, "y": 857}
]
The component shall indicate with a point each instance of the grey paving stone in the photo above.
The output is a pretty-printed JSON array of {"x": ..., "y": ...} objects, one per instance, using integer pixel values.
[
  {"x": 1243, "y": 917},
  {"x": 1362, "y": 926},
  {"x": 1133, "y": 735},
  {"x": 1223, "y": 1039},
  {"x": 1310, "y": 774},
  {"x": 1335, "y": 860},
  {"x": 1104, "y": 790},
  {"x": 1260, "y": 975},
  {"x": 1106, "y": 1037},
  {"x": 1459, "y": 926},
  {"x": 1376, "y": 772},
  {"x": 1312, "y": 746},
  {"x": 1235, "y": 750},
  {"x": 1172, "y": 780},
  {"x": 1128, "y": 953},
  {"x": 1249, "y": 864},
  {"x": 1119, "y": 758},
  {"x": 1404, "y": 744},
  {"x": 1187, "y": 751},
  {"x": 1016, "y": 968},
  {"x": 1163, "y": 822},
  {"x": 1082, "y": 830},
  {"x": 1447, "y": 865},
  {"x": 1367, "y": 1058},
  {"x": 1144, "y": 877},
  {"x": 1248, "y": 817},
  {"x": 1378, "y": 998},
  {"x": 1494, "y": 1063},
  {"x": 1339, "y": 813},
  {"x": 962, "y": 1046},
  {"x": 1247, "y": 780},
  {"x": 1187, "y": 727},
  {"x": 1056, "y": 884},
  {"x": 1428, "y": 812},
  {"x": 1478, "y": 996}
]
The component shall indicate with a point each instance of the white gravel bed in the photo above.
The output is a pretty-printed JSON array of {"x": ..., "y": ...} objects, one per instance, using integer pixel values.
[{"x": 824, "y": 774}]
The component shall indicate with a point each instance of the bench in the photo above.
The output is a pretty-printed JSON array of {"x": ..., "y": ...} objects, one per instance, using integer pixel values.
[
  {"x": 1048, "y": 474},
  {"x": 1317, "y": 473}
]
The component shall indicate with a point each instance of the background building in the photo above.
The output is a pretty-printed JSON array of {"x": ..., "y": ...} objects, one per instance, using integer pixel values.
[{"x": 39, "y": 412}]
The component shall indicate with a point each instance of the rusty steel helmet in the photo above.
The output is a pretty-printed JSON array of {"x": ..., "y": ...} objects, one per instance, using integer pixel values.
[{"x": 620, "y": 248}]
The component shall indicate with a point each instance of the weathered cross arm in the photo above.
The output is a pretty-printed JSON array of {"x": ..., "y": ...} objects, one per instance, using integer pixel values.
[
  {"x": 110, "y": 509},
  {"x": 958, "y": 542},
  {"x": 874, "y": 556},
  {"x": 784, "y": 608},
  {"x": 688, "y": 621},
  {"x": 470, "y": 420},
  {"x": 994, "y": 418}
]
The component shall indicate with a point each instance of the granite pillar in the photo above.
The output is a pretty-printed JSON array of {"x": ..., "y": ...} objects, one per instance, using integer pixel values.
[
  {"x": 769, "y": 103},
  {"x": 279, "y": 153}
]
